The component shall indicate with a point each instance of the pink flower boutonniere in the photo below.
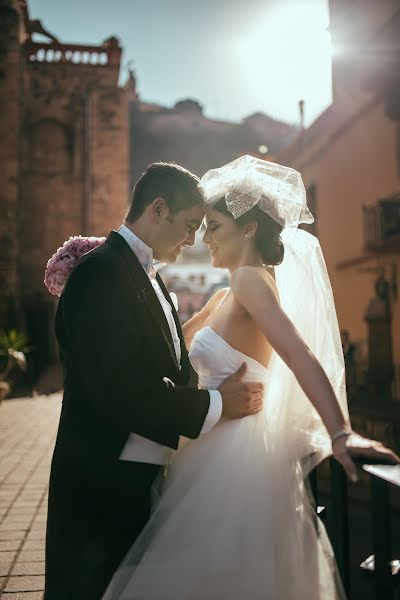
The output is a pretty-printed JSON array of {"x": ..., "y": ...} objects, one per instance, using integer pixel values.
[{"x": 60, "y": 265}]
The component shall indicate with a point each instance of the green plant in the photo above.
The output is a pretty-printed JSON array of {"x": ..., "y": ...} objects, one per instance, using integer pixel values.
[{"x": 13, "y": 349}]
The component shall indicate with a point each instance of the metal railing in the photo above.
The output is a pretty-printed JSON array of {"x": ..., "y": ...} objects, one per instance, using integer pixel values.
[{"x": 381, "y": 565}]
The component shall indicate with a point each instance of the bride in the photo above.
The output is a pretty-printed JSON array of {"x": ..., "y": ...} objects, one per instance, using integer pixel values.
[{"x": 234, "y": 519}]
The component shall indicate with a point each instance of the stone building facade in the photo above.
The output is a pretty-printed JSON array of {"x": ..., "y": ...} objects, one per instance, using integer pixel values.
[
  {"x": 65, "y": 160},
  {"x": 184, "y": 134},
  {"x": 10, "y": 122}
]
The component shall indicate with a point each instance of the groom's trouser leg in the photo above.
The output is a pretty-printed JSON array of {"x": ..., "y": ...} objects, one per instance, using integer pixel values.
[
  {"x": 132, "y": 505},
  {"x": 84, "y": 553}
]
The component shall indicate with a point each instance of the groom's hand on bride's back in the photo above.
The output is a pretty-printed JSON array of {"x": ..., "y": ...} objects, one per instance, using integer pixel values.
[{"x": 240, "y": 399}]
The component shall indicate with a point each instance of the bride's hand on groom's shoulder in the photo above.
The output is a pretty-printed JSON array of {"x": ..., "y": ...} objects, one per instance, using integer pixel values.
[
  {"x": 356, "y": 448},
  {"x": 240, "y": 399}
]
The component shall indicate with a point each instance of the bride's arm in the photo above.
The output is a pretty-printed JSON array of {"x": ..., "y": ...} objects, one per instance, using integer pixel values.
[
  {"x": 256, "y": 292},
  {"x": 195, "y": 323}
]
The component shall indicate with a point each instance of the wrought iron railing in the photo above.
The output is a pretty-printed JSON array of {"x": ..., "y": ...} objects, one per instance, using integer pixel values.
[
  {"x": 382, "y": 224},
  {"x": 383, "y": 568}
]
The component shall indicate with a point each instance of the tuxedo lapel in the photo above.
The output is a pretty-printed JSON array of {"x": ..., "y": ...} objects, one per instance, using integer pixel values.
[
  {"x": 144, "y": 291},
  {"x": 174, "y": 313},
  {"x": 153, "y": 305},
  {"x": 184, "y": 354}
]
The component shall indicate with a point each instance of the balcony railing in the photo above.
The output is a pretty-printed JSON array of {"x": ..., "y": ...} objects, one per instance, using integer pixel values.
[
  {"x": 382, "y": 224},
  {"x": 109, "y": 54},
  {"x": 381, "y": 566}
]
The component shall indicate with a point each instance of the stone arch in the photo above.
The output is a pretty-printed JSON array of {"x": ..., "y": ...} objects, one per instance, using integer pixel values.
[{"x": 50, "y": 147}]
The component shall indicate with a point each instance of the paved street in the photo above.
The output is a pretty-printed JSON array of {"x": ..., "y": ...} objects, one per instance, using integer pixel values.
[{"x": 27, "y": 432}]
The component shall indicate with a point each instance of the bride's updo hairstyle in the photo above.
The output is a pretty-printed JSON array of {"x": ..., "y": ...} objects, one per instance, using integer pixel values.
[{"x": 267, "y": 238}]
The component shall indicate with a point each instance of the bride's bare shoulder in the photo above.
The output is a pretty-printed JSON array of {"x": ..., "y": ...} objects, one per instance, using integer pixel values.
[{"x": 253, "y": 280}]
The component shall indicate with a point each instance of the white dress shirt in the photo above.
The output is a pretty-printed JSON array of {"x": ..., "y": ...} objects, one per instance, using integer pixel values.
[{"x": 138, "y": 448}]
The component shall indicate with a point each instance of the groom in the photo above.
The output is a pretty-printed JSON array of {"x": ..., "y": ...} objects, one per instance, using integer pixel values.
[{"x": 125, "y": 399}]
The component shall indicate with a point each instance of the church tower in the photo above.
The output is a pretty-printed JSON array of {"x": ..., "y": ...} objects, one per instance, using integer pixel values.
[{"x": 66, "y": 159}]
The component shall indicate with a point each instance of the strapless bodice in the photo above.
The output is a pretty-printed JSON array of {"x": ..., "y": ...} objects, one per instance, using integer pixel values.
[{"x": 214, "y": 360}]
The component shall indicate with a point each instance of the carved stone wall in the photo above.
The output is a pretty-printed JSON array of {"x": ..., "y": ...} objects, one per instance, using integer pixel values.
[
  {"x": 183, "y": 134},
  {"x": 74, "y": 166},
  {"x": 109, "y": 159},
  {"x": 64, "y": 154},
  {"x": 10, "y": 111}
]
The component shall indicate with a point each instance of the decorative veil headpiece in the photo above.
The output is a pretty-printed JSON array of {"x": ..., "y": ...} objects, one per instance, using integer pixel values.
[
  {"x": 305, "y": 295},
  {"x": 248, "y": 181}
]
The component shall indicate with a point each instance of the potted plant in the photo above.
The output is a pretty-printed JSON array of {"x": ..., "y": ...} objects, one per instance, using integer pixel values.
[{"x": 13, "y": 350}]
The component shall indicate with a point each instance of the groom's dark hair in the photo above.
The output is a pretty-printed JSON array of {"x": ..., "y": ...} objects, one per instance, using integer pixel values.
[{"x": 176, "y": 185}]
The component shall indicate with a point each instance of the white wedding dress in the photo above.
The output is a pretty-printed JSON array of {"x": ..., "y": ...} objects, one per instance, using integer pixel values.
[{"x": 234, "y": 519}]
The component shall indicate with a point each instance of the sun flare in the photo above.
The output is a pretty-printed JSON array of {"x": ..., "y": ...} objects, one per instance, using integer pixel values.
[{"x": 291, "y": 47}]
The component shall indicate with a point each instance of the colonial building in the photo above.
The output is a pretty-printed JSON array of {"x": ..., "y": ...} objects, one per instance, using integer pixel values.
[
  {"x": 64, "y": 155},
  {"x": 185, "y": 135},
  {"x": 350, "y": 160}
]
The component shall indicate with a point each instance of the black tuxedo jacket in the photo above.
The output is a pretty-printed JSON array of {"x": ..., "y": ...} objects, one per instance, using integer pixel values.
[{"x": 116, "y": 348}]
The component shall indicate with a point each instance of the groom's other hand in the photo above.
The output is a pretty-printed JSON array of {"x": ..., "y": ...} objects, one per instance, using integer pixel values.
[{"x": 240, "y": 399}]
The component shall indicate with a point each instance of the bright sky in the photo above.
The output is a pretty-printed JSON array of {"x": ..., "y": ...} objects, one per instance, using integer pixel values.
[{"x": 234, "y": 57}]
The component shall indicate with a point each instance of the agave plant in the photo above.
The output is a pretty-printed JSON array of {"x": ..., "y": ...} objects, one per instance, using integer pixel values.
[{"x": 13, "y": 350}]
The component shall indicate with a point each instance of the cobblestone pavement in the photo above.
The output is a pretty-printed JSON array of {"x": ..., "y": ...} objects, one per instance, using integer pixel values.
[{"x": 27, "y": 434}]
